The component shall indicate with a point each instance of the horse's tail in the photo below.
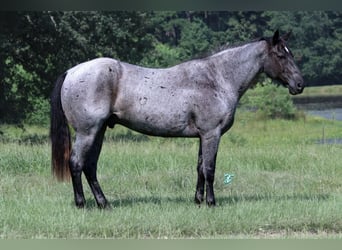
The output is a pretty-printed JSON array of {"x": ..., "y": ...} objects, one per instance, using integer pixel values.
[{"x": 59, "y": 134}]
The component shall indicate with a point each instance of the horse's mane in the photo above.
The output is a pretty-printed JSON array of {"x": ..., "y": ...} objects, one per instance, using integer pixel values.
[
  {"x": 235, "y": 45},
  {"x": 226, "y": 47}
]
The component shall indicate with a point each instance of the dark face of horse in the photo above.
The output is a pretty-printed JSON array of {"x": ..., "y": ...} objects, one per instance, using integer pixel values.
[{"x": 280, "y": 65}]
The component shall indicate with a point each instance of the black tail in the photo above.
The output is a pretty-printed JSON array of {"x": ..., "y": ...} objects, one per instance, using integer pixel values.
[{"x": 59, "y": 134}]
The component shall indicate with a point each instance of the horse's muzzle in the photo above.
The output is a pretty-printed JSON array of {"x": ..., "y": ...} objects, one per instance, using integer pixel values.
[{"x": 296, "y": 87}]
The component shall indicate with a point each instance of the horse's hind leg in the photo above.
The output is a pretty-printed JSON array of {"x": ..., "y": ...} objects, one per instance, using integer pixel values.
[
  {"x": 91, "y": 167},
  {"x": 77, "y": 160},
  {"x": 84, "y": 158}
]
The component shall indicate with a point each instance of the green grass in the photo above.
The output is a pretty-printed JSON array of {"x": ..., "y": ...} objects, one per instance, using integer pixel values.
[
  {"x": 328, "y": 90},
  {"x": 285, "y": 186}
]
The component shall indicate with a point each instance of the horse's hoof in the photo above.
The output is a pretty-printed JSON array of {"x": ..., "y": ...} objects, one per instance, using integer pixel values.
[
  {"x": 211, "y": 203},
  {"x": 80, "y": 205},
  {"x": 198, "y": 199},
  {"x": 105, "y": 205}
]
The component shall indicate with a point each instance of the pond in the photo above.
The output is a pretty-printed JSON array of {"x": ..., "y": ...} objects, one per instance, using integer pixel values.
[
  {"x": 325, "y": 106},
  {"x": 331, "y": 114}
]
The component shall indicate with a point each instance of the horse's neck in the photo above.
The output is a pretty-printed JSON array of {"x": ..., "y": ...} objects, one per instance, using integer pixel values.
[{"x": 240, "y": 66}]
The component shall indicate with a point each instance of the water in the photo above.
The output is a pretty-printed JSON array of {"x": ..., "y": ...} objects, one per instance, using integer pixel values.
[
  {"x": 331, "y": 114},
  {"x": 328, "y": 107}
]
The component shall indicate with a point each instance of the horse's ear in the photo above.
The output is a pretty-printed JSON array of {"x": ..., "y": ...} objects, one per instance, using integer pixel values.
[
  {"x": 287, "y": 35},
  {"x": 275, "y": 38}
]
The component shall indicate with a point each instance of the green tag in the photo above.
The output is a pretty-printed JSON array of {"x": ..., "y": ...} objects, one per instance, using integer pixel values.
[{"x": 228, "y": 178}]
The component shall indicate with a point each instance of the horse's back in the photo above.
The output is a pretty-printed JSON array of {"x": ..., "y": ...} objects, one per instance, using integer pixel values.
[{"x": 95, "y": 64}]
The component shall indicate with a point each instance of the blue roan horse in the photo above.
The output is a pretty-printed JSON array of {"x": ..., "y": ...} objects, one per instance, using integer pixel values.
[{"x": 197, "y": 98}]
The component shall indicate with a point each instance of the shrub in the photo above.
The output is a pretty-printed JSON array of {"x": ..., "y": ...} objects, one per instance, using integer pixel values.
[
  {"x": 40, "y": 112},
  {"x": 270, "y": 101}
]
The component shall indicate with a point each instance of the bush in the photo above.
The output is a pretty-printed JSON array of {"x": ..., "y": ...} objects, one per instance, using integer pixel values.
[
  {"x": 162, "y": 56},
  {"x": 40, "y": 113},
  {"x": 270, "y": 101}
]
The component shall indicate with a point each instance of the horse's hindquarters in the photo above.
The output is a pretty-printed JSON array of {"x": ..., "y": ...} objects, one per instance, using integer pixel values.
[{"x": 87, "y": 93}]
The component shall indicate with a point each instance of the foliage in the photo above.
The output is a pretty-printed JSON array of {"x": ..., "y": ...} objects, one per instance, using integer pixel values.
[
  {"x": 36, "y": 47},
  {"x": 270, "y": 101},
  {"x": 40, "y": 112},
  {"x": 44, "y": 44},
  {"x": 316, "y": 42},
  {"x": 163, "y": 55},
  {"x": 18, "y": 79}
]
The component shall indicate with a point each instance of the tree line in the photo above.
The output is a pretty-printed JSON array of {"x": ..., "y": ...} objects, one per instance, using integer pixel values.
[{"x": 35, "y": 47}]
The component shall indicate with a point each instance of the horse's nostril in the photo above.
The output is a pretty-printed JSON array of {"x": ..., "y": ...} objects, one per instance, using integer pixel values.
[{"x": 299, "y": 85}]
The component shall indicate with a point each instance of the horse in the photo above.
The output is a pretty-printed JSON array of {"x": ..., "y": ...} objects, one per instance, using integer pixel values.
[{"x": 194, "y": 99}]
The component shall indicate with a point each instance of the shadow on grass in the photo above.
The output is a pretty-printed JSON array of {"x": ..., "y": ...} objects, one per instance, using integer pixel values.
[
  {"x": 132, "y": 201},
  {"x": 128, "y": 136},
  {"x": 228, "y": 200},
  {"x": 220, "y": 201},
  {"x": 29, "y": 139}
]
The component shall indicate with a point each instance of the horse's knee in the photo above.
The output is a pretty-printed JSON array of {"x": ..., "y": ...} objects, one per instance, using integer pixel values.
[{"x": 75, "y": 166}]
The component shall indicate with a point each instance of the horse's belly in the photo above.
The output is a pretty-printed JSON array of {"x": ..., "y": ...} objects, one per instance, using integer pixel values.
[{"x": 163, "y": 124}]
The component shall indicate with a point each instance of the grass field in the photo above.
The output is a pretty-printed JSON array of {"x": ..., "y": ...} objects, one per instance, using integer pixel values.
[
  {"x": 319, "y": 98},
  {"x": 286, "y": 185},
  {"x": 327, "y": 90}
]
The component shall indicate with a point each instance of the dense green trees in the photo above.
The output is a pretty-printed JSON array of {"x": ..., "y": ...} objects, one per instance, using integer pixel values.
[
  {"x": 317, "y": 43},
  {"x": 35, "y": 47},
  {"x": 38, "y": 46}
]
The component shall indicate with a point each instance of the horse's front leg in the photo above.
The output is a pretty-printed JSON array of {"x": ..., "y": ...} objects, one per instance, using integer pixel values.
[
  {"x": 200, "y": 178},
  {"x": 206, "y": 168}
]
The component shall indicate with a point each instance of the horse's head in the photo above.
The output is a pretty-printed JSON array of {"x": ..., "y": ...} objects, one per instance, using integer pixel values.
[{"x": 279, "y": 64}]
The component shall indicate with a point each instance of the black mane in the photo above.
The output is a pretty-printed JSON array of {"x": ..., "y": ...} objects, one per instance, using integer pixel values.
[{"x": 226, "y": 46}]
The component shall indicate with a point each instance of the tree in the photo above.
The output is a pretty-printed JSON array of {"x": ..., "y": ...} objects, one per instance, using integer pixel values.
[
  {"x": 38, "y": 46},
  {"x": 316, "y": 41},
  {"x": 35, "y": 47}
]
